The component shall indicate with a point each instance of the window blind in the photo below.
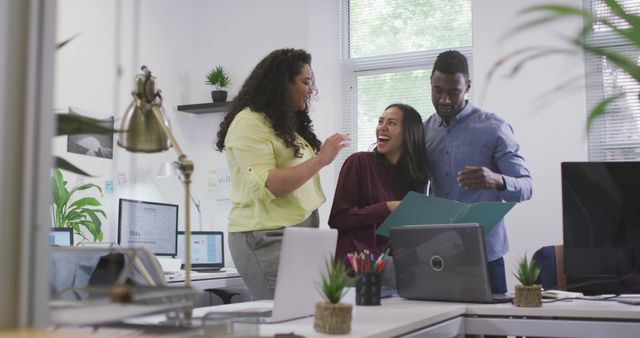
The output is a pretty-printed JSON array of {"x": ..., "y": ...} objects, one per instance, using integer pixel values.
[
  {"x": 388, "y": 51},
  {"x": 615, "y": 136}
]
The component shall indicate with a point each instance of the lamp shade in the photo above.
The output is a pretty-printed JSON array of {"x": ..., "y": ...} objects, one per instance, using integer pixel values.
[{"x": 142, "y": 120}]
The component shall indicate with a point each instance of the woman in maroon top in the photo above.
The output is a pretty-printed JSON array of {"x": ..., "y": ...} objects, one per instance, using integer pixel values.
[{"x": 372, "y": 183}]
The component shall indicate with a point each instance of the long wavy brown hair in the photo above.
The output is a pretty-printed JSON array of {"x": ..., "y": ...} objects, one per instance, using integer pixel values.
[{"x": 266, "y": 90}]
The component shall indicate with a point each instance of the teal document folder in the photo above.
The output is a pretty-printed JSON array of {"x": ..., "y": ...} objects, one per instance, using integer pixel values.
[{"x": 417, "y": 209}]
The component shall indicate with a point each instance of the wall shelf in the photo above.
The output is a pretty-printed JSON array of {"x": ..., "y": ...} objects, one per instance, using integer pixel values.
[{"x": 204, "y": 108}]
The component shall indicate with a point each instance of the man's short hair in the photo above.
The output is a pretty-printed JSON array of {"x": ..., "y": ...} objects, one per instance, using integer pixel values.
[{"x": 451, "y": 62}]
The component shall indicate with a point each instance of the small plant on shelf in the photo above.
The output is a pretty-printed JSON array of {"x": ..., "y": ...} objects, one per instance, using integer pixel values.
[
  {"x": 219, "y": 79},
  {"x": 528, "y": 294},
  {"x": 331, "y": 316}
]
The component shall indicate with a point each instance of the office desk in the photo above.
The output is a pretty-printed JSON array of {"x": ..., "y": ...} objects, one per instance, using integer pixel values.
[
  {"x": 574, "y": 318},
  {"x": 398, "y": 316},
  {"x": 230, "y": 281},
  {"x": 210, "y": 280}
]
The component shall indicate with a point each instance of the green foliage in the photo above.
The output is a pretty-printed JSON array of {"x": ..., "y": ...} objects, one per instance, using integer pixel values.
[
  {"x": 378, "y": 27},
  {"x": 218, "y": 78},
  {"x": 334, "y": 282},
  {"x": 528, "y": 271},
  {"x": 382, "y": 27},
  {"x": 624, "y": 26},
  {"x": 77, "y": 214}
]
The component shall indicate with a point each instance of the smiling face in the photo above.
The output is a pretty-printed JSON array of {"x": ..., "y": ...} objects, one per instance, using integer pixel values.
[
  {"x": 447, "y": 93},
  {"x": 300, "y": 89},
  {"x": 389, "y": 134}
]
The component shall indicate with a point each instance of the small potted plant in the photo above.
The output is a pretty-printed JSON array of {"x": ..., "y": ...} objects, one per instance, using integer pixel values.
[
  {"x": 331, "y": 316},
  {"x": 528, "y": 294},
  {"x": 219, "y": 79}
]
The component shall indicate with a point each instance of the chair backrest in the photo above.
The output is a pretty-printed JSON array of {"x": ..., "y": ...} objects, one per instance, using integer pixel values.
[
  {"x": 551, "y": 261},
  {"x": 81, "y": 267}
]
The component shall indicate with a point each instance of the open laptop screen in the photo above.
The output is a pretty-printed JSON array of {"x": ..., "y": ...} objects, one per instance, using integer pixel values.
[
  {"x": 207, "y": 250},
  {"x": 441, "y": 262}
]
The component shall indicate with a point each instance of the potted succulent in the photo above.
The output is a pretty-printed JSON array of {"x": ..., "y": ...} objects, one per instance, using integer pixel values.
[
  {"x": 528, "y": 294},
  {"x": 77, "y": 213},
  {"x": 219, "y": 79},
  {"x": 331, "y": 316}
]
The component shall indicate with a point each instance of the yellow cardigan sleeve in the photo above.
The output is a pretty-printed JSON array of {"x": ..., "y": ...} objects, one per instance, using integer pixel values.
[{"x": 250, "y": 142}]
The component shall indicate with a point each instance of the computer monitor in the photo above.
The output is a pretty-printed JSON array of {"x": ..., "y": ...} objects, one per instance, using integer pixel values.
[
  {"x": 207, "y": 250},
  {"x": 61, "y": 237},
  {"x": 601, "y": 226},
  {"x": 149, "y": 224}
]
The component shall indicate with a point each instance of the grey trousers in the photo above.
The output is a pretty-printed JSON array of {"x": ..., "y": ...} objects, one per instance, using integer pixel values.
[{"x": 256, "y": 255}]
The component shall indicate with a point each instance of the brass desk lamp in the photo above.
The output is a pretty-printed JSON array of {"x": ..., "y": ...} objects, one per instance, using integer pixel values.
[
  {"x": 168, "y": 169},
  {"x": 147, "y": 131}
]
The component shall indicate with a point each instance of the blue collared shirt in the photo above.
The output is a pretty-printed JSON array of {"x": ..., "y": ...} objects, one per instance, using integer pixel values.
[{"x": 477, "y": 138}]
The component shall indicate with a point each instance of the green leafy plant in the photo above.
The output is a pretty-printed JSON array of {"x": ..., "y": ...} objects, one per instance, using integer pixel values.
[
  {"x": 628, "y": 31},
  {"x": 528, "y": 271},
  {"x": 79, "y": 213},
  {"x": 218, "y": 78},
  {"x": 334, "y": 282}
]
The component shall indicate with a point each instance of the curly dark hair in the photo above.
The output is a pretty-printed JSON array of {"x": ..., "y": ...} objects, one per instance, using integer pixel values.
[
  {"x": 266, "y": 90},
  {"x": 413, "y": 159},
  {"x": 451, "y": 62}
]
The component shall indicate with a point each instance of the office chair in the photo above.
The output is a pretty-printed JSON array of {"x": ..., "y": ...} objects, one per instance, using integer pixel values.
[
  {"x": 77, "y": 268},
  {"x": 224, "y": 295},
  {"x": 551, "y": 261}
]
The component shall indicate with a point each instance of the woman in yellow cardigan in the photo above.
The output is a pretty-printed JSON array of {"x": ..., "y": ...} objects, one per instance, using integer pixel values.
[{"x": 274, "y": 158}]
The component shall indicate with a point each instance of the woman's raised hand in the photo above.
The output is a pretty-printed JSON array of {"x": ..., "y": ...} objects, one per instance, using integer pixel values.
[{"x": 331, "y": 147}]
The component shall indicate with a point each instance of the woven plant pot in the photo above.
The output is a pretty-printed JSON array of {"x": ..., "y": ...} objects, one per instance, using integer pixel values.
[
  {"x": 332, "y": 318},
  {"x": 528, "y": 296}
]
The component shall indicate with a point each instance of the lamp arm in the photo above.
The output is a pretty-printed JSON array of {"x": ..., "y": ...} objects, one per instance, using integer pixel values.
[
  {"x": 186, "y": 169},
  {"x": 176, "y": 164},
  {"x": 195, "y": 202}
]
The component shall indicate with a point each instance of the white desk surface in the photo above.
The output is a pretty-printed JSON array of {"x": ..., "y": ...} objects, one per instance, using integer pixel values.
[
  {"x": 575, "y": 308},
  {"x": 397, "y": 316},
  {"x": 205, "y": 276},
  {"x": 394, "y": 317}
]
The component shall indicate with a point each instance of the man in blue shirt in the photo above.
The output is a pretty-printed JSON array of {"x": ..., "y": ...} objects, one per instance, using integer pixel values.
[{"x": 472, "y": 155}]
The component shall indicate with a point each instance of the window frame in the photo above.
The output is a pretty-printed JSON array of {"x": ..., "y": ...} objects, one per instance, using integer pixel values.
[
  {"x": 596, "y": 91},
  {"x": 372, "y": 65}
]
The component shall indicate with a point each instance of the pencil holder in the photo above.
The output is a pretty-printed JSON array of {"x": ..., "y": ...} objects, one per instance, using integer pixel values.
[{"x": 368, "y": 288}]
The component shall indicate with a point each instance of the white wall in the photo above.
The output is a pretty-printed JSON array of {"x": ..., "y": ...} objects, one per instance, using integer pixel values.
[
  {"x": 179, "y": 42},
  {"x": 550, "y": 128}
]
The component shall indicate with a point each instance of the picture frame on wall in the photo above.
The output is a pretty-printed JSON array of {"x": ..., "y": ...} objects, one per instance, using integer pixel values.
[{"x": 96, "y": 145}]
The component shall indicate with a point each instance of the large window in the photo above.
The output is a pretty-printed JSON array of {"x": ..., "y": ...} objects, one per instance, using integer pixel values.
[
  {"x": 616, "y": 135},
  {"x": 388, "y": 50}
]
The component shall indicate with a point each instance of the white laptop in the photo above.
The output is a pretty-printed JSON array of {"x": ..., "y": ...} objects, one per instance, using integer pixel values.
[
  {"x": 303, "y": 258},
  {"x": 442, "y": 262}
]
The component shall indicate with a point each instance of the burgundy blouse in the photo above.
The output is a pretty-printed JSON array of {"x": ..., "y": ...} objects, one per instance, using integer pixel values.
[{"x": 359, "y": 204}]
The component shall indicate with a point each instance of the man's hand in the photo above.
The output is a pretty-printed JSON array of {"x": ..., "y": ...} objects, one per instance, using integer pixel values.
[
  {"x": 392, "y": 205},
  {"x": 479, "y": 178}
]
